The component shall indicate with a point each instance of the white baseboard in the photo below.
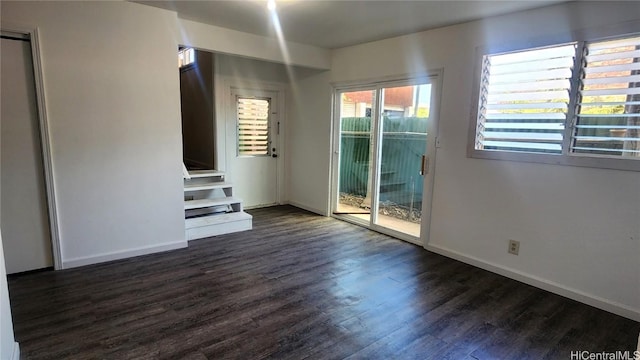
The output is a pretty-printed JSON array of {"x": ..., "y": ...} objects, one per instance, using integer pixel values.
[
  {"x": 16, "y": 351},
  {"x": 556, "y": 288},
  {"x": 308, "y": 208},
  {"x": 117, "y": 255}
]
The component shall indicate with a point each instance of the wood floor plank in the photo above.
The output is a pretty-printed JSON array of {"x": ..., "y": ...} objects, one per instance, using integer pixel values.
[{"x": 300, "y": 286}]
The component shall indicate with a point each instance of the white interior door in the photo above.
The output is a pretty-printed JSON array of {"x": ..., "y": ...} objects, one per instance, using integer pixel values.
[
  {"x": 23, "y": 215},
  {"x": 253, "y": 147}
]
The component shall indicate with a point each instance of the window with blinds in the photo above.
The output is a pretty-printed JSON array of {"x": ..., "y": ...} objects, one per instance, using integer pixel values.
[
  {"x": 186, "y": 57},
  {"x": 253, "y": 127},
  {"x": 574, "y": 104},
  {"x": 524, "y": 99},
  {"x": 608, "y": 110}
]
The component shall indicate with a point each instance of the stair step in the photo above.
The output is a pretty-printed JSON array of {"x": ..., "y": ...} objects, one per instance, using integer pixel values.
[
  {"x": 214, "y": 225},
  {"x": 203, "y": 203},
  {"x": 205, "y": 173},
  {"x": 216, "y": 219},
  {"x": 207, "y": 186}
]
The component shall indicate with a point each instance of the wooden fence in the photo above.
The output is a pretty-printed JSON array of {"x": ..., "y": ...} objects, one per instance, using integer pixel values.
[{"x": 403, "y": 144}]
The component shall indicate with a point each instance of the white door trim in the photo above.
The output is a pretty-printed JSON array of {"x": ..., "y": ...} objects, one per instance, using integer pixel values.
[
  {"x": 52, "y": 208},
  {"x": 432, "y": 150}
]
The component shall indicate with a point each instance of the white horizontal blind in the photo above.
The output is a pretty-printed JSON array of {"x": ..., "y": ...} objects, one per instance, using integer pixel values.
[
  {"x": 253, "y": 127},
  {"x": 608, "y": 111},
  {"x": 524, "y": 99}
]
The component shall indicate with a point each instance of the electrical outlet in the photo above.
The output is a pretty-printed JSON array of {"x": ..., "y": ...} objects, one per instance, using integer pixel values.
[{"x": 514, "y": 247}]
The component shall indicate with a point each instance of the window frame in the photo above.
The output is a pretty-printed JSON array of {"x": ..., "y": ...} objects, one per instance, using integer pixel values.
[{"x": 566, "y": 157}]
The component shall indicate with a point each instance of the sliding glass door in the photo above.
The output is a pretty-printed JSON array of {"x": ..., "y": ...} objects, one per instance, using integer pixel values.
[
  {"x": 357, "y": 139},
  {"x": 384, "y": 141},
  {"x": 403, "y": 152}
]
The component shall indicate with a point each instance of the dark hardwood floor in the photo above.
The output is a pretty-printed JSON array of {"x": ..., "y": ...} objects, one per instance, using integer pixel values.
[{"x": 300, "y": 286}]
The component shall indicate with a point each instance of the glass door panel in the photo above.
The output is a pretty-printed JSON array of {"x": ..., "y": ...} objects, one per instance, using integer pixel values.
[
  {"x": 381, "y": 171},
  {"x": 402, "y": 160},
  {"x": 356, "y": 167}
]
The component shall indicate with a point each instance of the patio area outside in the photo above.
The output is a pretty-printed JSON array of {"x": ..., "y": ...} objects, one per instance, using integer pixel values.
[{"x": 390, "y": 215}]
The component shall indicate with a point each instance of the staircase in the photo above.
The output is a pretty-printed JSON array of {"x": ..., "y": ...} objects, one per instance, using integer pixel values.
[{"x": 210, "y": 208}]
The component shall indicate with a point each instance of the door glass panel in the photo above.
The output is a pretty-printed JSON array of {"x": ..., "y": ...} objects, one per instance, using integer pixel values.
[
  {"x": 253, "y": 127},
  {"x": 356, "y": 154},
  {"x": 405, "y": 114}
]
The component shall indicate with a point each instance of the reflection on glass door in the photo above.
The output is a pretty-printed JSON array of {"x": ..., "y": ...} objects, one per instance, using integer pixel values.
[
  {"x": 356, "y": 152},
  {"x": 382, "y": 157},
  {"x": 403, "y": 159}
]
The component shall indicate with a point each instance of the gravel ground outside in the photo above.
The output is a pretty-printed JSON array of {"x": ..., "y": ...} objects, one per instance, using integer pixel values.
[{"x": 387, "y": 208}]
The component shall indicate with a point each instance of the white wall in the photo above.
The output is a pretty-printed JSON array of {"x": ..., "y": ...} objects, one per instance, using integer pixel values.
[
  {"x": 112, "y": 94},
  {"x": 579, "y": 227},
  {"x": 247, "y": 69},
  {"x": 309, "y": 142},
  {"x": 227, "y": 41}
]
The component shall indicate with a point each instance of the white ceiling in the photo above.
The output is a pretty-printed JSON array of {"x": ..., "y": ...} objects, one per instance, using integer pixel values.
[{"x": 339, "y": 23}]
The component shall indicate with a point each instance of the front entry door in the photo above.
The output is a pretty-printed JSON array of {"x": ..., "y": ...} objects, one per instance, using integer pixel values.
[{"x": 252, "y": 146}]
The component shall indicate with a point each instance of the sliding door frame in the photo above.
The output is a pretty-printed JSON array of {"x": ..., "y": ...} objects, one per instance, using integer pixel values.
[{"x": 432, "y": 77}]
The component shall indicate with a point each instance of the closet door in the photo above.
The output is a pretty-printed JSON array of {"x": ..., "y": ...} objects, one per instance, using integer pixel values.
[{"x": 23, "y": 212}]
